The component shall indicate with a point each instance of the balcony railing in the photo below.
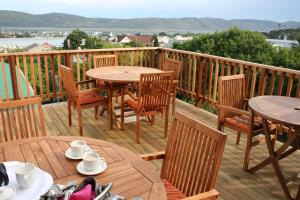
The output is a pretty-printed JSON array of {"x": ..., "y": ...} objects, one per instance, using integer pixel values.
[{"x": 198, "y": 78}]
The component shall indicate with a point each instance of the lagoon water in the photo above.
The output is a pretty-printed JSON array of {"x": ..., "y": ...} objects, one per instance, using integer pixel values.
[{"x": 23, "y": 42}]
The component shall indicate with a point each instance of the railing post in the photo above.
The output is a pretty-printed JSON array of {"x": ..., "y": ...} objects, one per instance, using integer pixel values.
[
  {"x": 13, "y": 75},
  {"x": 53, "y": 76}
]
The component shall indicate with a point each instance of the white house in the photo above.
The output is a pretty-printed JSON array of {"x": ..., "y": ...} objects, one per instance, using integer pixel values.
[{"x": 283, "y": 43}]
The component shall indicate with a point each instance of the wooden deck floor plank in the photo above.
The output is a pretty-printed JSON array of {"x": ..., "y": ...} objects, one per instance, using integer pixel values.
[{"x": 232, "y": 182}]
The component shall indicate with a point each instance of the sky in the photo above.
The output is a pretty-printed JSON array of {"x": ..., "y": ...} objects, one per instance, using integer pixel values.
[{"x": 276, "y": 10}]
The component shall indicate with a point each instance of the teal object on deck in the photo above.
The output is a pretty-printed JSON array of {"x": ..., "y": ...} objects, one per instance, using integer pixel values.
[{"x": 9, "y": 83}]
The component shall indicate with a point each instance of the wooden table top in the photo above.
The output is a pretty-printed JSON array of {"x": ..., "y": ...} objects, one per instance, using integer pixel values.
[
  {"x": 119, "y": 73},
  {"x": 279, "y": 109},
  {"x": 131, "y": 176}
]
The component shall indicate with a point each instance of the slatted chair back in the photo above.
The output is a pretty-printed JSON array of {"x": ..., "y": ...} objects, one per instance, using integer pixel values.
[
  {"x": 172, "y": 65},
  {"x": 154, "y": 91},
  {"x": 105, "y": 60},
  {"x": 68, "y": 82},
  {"x": 231, "y": 93},
  {"x": 193, "y": 155},
  {"x": 21, "y": 119}
]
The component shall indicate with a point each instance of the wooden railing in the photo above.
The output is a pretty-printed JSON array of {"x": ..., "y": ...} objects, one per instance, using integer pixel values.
[
  {"x": 40, "y": 70},
  {"x": 200, "y": 72},
  {"x": 198, "y": 78}
]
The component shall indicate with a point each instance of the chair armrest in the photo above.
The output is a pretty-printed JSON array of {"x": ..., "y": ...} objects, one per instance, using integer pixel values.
[
  {"x": 234, "y": 110},
  {"x": 86, "y": 81},
  {"x": 210, "y": 195},
  {"x": 82, "y": 92},
  {"x": 153, "y": 156}
]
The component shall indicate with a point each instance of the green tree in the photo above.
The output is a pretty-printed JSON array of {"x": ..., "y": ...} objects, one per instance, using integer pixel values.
[
  {"x": 81, "y": 39},
  {"x": 155, "y": 43},
  {"x": 233, "y": 43},
  {"x": 76, "y": 37},
  {"x": 134, "y": 44}
]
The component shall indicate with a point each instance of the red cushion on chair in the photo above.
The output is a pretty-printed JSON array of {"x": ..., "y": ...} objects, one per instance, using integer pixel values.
[
  {"x": 172, "y": 192},
  {"x": 90, "y": 97},
  {"x": 102, "y": 84},
  {"x": 242, "y": 122}
]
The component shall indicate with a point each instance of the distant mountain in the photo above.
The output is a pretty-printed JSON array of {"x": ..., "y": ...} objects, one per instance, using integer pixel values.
[{"x": 15, "y": 19}]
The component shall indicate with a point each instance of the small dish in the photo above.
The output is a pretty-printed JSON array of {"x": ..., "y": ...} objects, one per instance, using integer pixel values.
[
  {"x": 80, "y": 168},
  {"x": 69, "y": 154}
]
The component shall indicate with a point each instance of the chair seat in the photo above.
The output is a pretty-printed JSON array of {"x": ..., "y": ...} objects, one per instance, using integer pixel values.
[
  {"x": 172, "y": 192},
  {"x": 134, "y": 103},
  {"x": 242, "y": 122},
  {"x": 90, "y": 97}
]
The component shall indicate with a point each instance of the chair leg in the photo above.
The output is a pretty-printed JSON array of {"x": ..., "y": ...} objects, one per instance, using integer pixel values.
[
  {"x": 103, "y": 109},
  {"x": 80, "y": 122},
  {"x": 166, "y": 124},
  {"x": 137, "y": 128},
  {"x": 70, "y": 114},
  {"x": 238, "y": 137},
  {"x": 247, "y": 152},
  {"x": 173, "y": 103},
  {"x": 152, "y": 120},
  {"x": 96, "y": 112}
]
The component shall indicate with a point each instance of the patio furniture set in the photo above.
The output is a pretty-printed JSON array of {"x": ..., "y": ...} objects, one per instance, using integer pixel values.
[{"x": 193, "y": 154}]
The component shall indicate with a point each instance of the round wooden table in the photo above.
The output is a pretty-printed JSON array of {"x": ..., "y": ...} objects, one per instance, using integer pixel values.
[
  {"x": 279, "y": 110},
  {"x": 115, "y": 74},
  {"x": 131, "y": 176},
  {"x": 118, "y": 74}
]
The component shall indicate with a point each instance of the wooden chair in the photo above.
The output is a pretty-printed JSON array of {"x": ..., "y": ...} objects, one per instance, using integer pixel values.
[
  {"x": 21, "y": 119},
  {"x": 153, "y": 97},
  {"x": 80, "y": 99},
  {"x": 105, "y": 60},
  {"x": 175, "y": 66},
  {"x": 192, "y": 159},
  {"x": 232, "y": 113}
]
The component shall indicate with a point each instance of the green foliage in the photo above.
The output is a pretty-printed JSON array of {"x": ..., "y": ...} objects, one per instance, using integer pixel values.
[
  {"x": 134, "y": 44},
  {"x": 81, "y": 39},
  {"x": 234, "y": 43}
]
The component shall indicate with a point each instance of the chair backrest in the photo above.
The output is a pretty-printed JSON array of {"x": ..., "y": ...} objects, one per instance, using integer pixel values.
[
  {"x": 21, "y": 119},
  {"x": 231, "y": 92},
  {"x": 154, "y": 91},
  {"x": 105, "y": 60},
  {"x": 68, "y": 81},
  {"x": 193, "y": 155},
  {"x": 172, "y": 65}
]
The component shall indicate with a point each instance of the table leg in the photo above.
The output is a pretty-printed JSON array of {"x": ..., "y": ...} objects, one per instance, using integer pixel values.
[
  {"x": 274, "y": 157},
  {"x": 110, "y": 105}
]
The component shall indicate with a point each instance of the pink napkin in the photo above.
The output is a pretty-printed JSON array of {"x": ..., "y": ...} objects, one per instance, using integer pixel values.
[{"x": 85, "y": 194}]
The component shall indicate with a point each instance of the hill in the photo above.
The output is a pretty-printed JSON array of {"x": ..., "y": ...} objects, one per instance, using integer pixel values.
[{"x": 15, "y": 19}]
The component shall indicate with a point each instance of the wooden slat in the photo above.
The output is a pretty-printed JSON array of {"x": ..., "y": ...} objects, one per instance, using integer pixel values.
[
  {"x": 290, "y": 84},
  {"x": 4, "y": 80},
  {"x": 47, "y": 75},
  {"x": 216, "y": 81},
  {"x": 32, "y": 71},
  {"x": 40, "y": 77},
  {"x": 26, "y": 76}
]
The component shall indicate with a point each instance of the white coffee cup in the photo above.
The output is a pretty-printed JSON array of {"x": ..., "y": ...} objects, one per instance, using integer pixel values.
[
  {"x": 92, "y": 161},
  {"x": 25, "y": 174},
  {"x": 7, "y": 193},
  {"x": 78, "y": 147}
]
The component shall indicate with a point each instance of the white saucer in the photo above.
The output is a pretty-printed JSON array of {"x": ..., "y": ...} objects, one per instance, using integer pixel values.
[
  {"x": 80, "y": 168},
  {"x": 69, "y": 154}
]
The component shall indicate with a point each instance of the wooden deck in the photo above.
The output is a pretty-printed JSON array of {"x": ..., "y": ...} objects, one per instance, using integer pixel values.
[{"x": 232, "y": 182}]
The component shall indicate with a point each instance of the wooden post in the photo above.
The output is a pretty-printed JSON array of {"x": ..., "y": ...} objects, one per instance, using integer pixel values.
[
  {"x": 53, "y": 76},
  {"x": 13, "y": 75}
]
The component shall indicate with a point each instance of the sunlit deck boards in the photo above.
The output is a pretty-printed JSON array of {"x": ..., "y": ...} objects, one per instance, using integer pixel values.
[{"x": 232, "y": 182}]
